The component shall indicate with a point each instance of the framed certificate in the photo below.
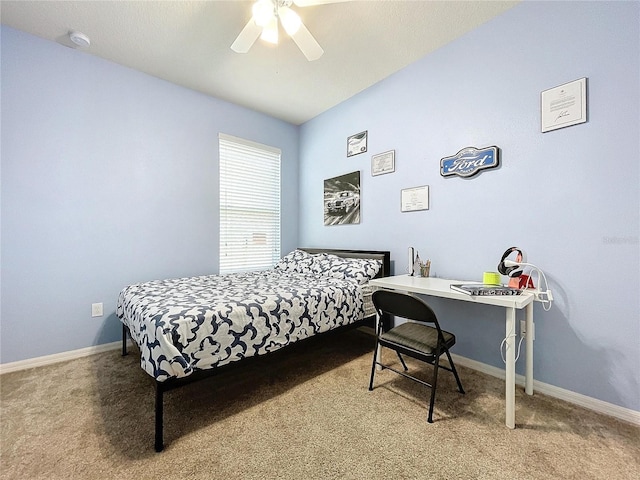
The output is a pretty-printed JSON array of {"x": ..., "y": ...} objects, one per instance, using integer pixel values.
[
  {"x": 564, "y": 105},
  {"x": 414, "y": 199},
  {"x": 383, "y": 163}
]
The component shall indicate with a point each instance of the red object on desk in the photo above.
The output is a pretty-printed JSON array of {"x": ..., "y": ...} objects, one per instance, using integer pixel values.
[{"x": 525, "y": 282}]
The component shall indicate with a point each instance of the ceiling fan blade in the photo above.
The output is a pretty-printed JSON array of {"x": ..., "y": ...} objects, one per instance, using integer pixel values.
[
  {"x": 247, "y": 37},
  {"x": 309, "y": 3},
  {"x": 307, "y": 44}
]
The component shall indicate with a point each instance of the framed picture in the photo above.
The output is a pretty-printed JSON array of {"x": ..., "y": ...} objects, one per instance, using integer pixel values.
[
  {"x": 414, "y": 199},
  {"x": 383, "y": 163},
  {"x": 564, "y": 105},
  {"x": 357, "y": 144},
  {"x": 342, "y": 199}
]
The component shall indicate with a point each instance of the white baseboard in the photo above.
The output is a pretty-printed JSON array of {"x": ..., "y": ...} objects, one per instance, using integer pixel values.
[
  {"x": 59, "y": 357},
  {"x": 590, "y": 403}
]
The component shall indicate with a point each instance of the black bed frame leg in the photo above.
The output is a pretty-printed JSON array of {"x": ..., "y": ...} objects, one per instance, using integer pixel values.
[
  {"x": 159, "y": 444},
  {"x": 159, "y": 394},
  {"x": 124, "y": 339}
]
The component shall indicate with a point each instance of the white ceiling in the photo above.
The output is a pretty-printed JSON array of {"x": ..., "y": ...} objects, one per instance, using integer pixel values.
[{"x": 187, "y": 43}]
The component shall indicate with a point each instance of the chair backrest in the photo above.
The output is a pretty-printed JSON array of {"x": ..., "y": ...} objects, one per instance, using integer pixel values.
[{"x": 403, "y": 305}]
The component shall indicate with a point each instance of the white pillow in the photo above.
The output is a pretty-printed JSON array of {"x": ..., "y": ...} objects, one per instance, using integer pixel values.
[
  {"x": 359, "y": 269},
  {"x": 297, "y": 261}
]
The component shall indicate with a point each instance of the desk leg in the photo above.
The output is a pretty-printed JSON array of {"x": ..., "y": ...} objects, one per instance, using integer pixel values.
[
  {"x": 528, "y": 386},
  {"x": 510, "y": 380}
]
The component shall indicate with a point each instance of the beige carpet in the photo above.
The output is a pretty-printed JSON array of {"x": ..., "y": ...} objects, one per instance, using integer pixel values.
[{"x": 301, "y": 414}]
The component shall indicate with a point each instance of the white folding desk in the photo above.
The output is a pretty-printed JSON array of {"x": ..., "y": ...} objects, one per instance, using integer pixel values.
[{"x": 440, "y": 287}]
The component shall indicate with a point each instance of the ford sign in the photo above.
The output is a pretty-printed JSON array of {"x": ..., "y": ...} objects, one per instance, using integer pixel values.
[{"x": 469, "y": 161}]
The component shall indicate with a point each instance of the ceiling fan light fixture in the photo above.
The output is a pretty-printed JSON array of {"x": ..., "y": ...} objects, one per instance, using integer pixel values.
[
  {"x": 270, "y": 31},
  {"x": 290, "y": 20},
  {"x": 263, "y": 12},
  {"x": 264, "y": 24}
]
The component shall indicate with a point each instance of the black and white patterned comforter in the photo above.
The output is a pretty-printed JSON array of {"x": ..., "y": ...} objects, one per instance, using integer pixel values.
[{"x": 197, "y": 323}]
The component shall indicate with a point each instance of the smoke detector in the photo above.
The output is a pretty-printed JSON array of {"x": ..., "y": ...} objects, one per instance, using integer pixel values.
[{"x": 80, "y": 39}]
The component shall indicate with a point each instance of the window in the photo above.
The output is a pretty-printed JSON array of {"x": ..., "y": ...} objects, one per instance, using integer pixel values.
[{"x": 249, "y": 205}]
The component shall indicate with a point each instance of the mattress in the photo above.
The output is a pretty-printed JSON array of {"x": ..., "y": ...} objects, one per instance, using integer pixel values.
[
  {"x": 369, "y": 308},
  {"x": 197, "y": 323}
]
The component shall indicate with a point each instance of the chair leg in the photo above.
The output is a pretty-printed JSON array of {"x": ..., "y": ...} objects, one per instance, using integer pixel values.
[
  {"x": 402, "y": 361},
  {"x": 373, "y": 365},
  {"x": 434, "y": 383},
  {"x": 455, "y": 372}
]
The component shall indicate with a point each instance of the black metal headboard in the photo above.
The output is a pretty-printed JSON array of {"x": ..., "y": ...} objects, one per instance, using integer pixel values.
[{"x": 381, "y": 255}]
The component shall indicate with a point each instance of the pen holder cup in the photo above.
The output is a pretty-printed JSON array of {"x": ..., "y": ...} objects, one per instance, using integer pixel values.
[{"x": 424, "y": 270}]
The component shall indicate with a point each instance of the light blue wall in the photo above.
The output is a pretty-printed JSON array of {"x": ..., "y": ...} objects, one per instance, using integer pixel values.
[
  {"x": 109, "y": 176},
  {"x": 569, "y": 197}
]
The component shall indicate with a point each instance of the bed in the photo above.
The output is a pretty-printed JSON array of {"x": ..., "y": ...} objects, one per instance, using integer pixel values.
[{"x": 187, "y": 329}]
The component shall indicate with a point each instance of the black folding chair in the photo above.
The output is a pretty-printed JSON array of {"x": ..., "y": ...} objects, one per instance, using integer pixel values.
[{"x": 420, "y": 337}]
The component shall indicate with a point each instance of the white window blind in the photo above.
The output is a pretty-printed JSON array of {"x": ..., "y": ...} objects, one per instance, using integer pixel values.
[{"x": 249, "y": 205}]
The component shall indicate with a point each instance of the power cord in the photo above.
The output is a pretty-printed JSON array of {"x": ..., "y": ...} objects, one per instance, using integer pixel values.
[
  {"x": 545, "y": 297},
  {"x": 504, "y": 341}
]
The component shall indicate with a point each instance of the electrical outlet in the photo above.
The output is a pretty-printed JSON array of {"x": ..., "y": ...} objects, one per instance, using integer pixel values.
[
  {"x": 96, "y": 310},
  {"x": 523, "y": 329}
]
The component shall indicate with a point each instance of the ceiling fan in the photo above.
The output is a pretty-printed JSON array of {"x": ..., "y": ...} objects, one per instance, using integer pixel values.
[{"x": 264, "y": 24}]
